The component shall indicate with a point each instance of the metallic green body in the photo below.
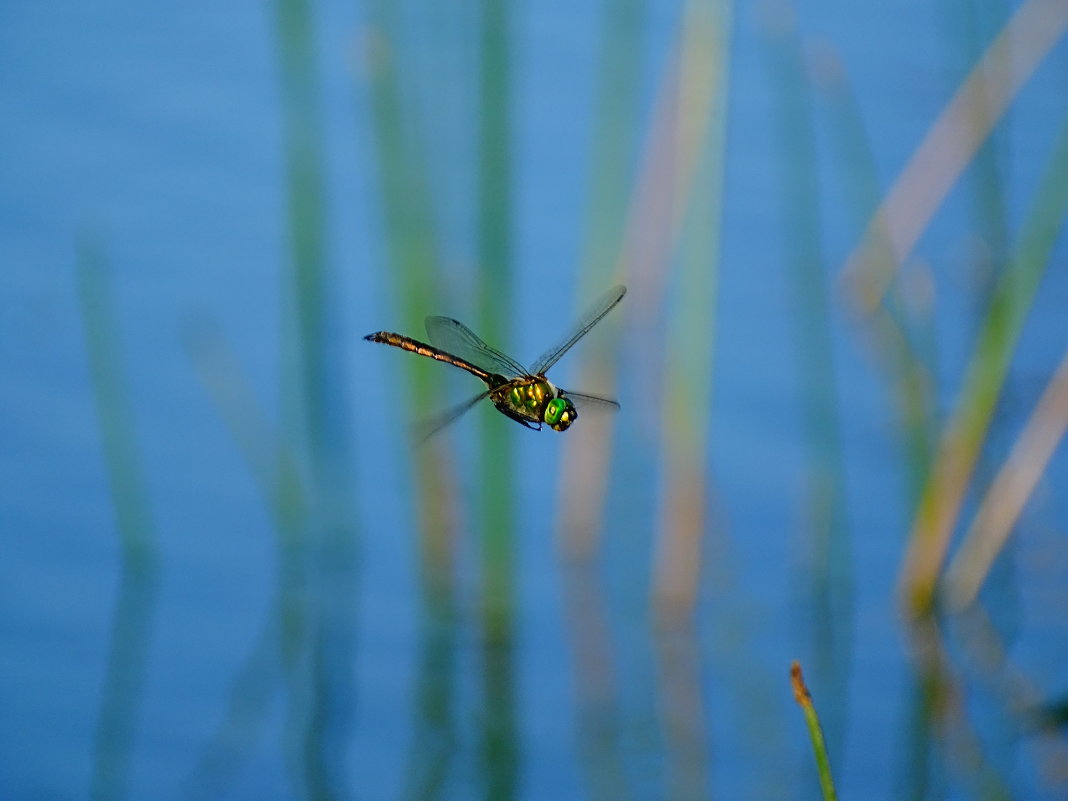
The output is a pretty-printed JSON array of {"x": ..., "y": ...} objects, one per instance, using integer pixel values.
[{"x": 534, "y": 400}]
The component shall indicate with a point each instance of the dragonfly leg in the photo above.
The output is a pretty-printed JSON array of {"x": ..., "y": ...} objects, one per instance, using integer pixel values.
[{"x": 503, "y": 408}]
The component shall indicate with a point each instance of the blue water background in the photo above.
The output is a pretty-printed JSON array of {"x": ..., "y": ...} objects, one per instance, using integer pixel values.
[{"x": 156, "y": 133}]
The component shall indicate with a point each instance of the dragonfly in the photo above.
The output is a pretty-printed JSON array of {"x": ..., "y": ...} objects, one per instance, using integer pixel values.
[{"x": 524, "y": 395}]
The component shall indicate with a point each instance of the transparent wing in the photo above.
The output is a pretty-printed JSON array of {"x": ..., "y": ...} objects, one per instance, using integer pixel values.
[
  {"x": 590, "y": 402},
  {"x": 428, "y": 428},
  {"x": 598, "y": 309},
  {"x": 456, "y": 338}
]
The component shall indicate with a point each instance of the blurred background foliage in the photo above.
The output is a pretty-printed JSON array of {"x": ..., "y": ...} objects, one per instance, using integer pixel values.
[{"x": 842, "y": 365}]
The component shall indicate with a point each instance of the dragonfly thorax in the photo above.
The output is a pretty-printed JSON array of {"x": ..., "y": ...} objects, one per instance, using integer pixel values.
[{"x": 535, "y": 400}]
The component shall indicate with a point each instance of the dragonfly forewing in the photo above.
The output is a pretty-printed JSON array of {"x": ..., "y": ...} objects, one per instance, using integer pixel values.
[
  {"x": 598, "y": 309},
  {"x": 454, "y": 337}
]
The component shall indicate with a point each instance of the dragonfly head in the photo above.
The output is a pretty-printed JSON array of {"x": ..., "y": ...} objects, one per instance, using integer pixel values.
[{"x": 560, "y": 413}]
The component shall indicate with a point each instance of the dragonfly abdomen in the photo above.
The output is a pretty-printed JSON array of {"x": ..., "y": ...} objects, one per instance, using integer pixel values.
[{"x": 423, "y": 349}]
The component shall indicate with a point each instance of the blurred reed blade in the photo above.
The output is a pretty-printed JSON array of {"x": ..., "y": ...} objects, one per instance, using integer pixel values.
[
  {"x": 894, "y": 328},
  {"x": 270, "y": 460},
  {"x": 948, "y": 743},
  {"x": 968, "y": 27},
  {"x": 273, "y": 466},
  {"x": 828, "y": 607},
  {"x": 967, "y": 427},
  {"x": 434, "y": 743},
  {"x": 680, "y": 153},
  {"x": 304, "y": 342},
  {"x": 952, "y": 142},
  {"x": 587, "y": 451},
  {"x": 131, "y": 626},
  {"x": 404, "y": 133},
  {"x": 317, "y": 574},
  {"x": 114, "y": 417},
  {"x": 588, "y": 448},
  {"x": 244, "y": 721},
  {"x": 407, "y": 196},
  {"x": 1006, "y": 497},
  {"x": 301, "y": 384},
  {"x": 901, "y": 329},
  {"x": 307, "y": 402},
  {"x": 495, "y": 317},
  {"x": 407, "y": 199},
  {"x": 598, "y": 725},
  {"x": 614, "y": 138},
  {"x": 683, "y": 712},
  {"x": 815, "y": 731},
  {"x": 499, "y": 735},
  {"x": 1024, "y": 706},
  {"x": 690, "y": 143},
  {"x": 687, "y": 405},
  {"x": 122, "y": 695}
]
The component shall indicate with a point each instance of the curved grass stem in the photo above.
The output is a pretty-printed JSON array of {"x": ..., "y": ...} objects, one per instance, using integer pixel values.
[{"x": 815, "y": 731}]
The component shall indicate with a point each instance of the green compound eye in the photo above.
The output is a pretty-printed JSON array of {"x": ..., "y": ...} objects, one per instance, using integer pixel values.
[
  {"x": 554, "y": 410},
  {"x": 560, "y": 413}
]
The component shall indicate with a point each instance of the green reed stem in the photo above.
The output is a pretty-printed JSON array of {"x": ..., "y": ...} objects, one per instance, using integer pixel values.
[
  {"x": 404, "y": 157},
  {"x": 495, "y": 319},
  {"x": 815, "y": 732},
  {"x": 412, "y": 251},
  {"x": 317, "y": 575},
  {"x": 499, "y": 733}
]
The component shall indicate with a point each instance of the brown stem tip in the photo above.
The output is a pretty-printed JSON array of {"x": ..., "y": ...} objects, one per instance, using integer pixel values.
[{"x": 801, "y": 693}]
